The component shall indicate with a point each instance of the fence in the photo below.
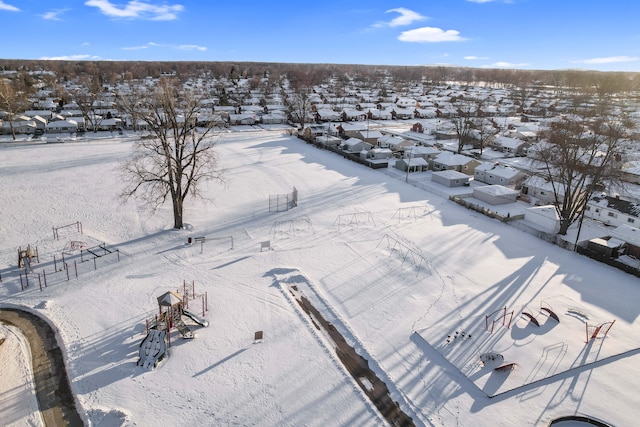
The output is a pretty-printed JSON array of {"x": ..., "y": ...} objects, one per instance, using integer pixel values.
[{"x": 283, "y": 202}]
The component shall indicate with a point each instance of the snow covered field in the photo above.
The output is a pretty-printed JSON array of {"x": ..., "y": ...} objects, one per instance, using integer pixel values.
[{"x": 396, "y": 269}]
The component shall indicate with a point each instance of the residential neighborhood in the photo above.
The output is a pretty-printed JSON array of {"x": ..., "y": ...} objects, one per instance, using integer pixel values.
[{"x": 487, "y": 140}]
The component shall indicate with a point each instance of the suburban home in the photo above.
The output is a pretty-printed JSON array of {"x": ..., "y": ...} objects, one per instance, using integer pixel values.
[
  {"x": 109, "y": 124},
  {"x": 413, "y": 164},
  {"x": 62, "y": 126},
  {"x": 425, "y": 113},
  {"x": 312, "y": 131},
  {"x": 370, "y": 136},
  {"x": 242, "y": 119},
  {"x": 613, "y": 211},
  {"x": 377, "y": 154},
  {"x": 375, "y": 114},
  {"x": 426, "y": 152},
  {"x": 457, "y": 162},
  {"x": 406, "y": 103},
  {"x": 355, "y": 145},
  {"x": 328, "y": 140},
  {"x": 351, "y": 130},
  {"x": 495, "y": 173},
  {"x": 275, "y": 117},
  {"x": 525, "y": 135},
  {"x": 495, "y": 194},
  {"x": 539, "y": 191},
  {"x": 402, "y": 113},
  {"x": 364, "y": 106},
  {"x": 513, "y": 146},
  {"x": 327, "y": 115},
  {"x": 21, "y": 126},
  {"x": 46, "y": 114},
  {"x": 450, "y": 178},
  {"x": 351, "y": 114},
  {"x": 631, "y": 172}
]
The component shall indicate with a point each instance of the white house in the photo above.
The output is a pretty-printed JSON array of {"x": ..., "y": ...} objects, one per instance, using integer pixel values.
[
  {"x": 458, "y": 162},
  {"x": 378, "y": 154},
  {"x": 513, "y": 146},
  {"x": 355, "y": 145},
  {"x": 495, "y": 173},
  {"x": 413, "y": 164},
  {"x": 539, "y": 191},
  {"x": 62, "y": 126},
  {"x": 613, "y": 211},
  {"x": 631, "y": 171}
]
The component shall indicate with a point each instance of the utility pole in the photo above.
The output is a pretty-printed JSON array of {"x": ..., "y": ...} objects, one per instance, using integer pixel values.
[{"x": 406, "y": 179}]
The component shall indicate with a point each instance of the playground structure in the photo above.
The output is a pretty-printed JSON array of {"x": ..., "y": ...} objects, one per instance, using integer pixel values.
[
  {"x": 354, "y": 219},
  {"x": 406, "y": 253},
  {"x": 172, "y": 308},
  {"x": 26, "y": 256},
  {"x": 410, "y": 212},
  {"x": 56, "y": 230},
  {"x": 292, "y": 226}
]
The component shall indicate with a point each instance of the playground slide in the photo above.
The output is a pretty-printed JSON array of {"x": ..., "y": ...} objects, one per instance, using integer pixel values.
[
  {"x": 152, "y": 348},
  {"x": 184, "y": 330},
  {"x": 199, "y": 320}
]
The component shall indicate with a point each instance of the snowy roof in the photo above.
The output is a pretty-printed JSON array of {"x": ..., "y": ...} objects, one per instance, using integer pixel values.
[
  {"x": 449, "y": 159},
  {"x": 498, "y": 170},
  {"x": 497, "y": 190},
  {"x": 627, "y": 233},
  {"x": 451, "y": 174}
]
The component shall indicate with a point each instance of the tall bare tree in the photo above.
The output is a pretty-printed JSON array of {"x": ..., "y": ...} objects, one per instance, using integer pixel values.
[
  {"x": 178, "y": 155},
  {"x": 13, "y": 100},
  {"x": 465, "y": 117},
  {"x": 580, "y": 155}
]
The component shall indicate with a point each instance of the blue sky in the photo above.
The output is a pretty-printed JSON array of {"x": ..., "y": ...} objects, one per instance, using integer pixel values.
[{"x": 520, "y": 34}]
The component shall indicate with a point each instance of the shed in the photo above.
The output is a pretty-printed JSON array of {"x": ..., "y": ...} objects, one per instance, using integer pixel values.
[
  {"x": 610, "y": 248},
  {"x": 450, "y": 178},
  {"x": 544, "y": 218},
  {"x": 495, "y": 194}
]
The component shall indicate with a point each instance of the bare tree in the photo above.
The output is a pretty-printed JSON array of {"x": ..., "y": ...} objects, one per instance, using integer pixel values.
[
  {"x": 462, "y": 116},
  {"x": 486, "y": 130},
  {"x": 13, "y": 100},
  {"x": 86, "y": 96},
  {"x": 177, "y": 156},
  {"x": 579, "y": 155}
]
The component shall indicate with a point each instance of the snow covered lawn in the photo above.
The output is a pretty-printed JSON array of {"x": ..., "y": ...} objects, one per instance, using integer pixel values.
[{"x": 397, "y": 287}]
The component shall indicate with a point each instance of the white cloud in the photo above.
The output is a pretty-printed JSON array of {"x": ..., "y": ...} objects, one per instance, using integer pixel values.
[
  {"x": 505, "y": 64},
  {"x": 144, "y": 46},
  {"x": 192, "y": 47},
  {"x": 70, "y": 57},
  {"x": 608, "y": 60},
  {"x": 4, "y": 6},
  {"x": 137, "y": 9},
  {"x": 167, "y": 46},
  {"x": 430, "y": 35},
  {"x": 53, "y": 15},
  {"x": 474, "y": 58},
  {"x": 407, "y": 17}
]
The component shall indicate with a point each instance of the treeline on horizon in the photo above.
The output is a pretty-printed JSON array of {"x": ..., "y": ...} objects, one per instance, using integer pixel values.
[{"x": 308, "y": 74}]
